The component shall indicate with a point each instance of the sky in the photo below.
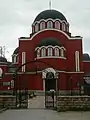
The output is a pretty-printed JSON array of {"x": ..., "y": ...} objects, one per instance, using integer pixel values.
[{"x": 17, "y": 16}]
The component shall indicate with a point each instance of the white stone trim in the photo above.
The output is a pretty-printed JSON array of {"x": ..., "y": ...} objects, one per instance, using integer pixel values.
[
  {"x": 60, "y": 31},
  {"x": 49, "y": 19},
  {"x": 86, "y": 61},
  {"x": 61, "y": 49},
  {"x": 81, "y": 72},
  {"x": 51, "y": 57},
  {"x": 50, "y": 46},
  {"x": 77, "y": 62},
  {"x": 76, "y": 72},
  {"x": 23, "y": 61}
]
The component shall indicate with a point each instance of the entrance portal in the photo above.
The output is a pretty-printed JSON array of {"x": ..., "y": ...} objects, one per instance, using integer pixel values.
[
  {"x": 50, "y": 82},
  {"x": 50, "y": 90}
]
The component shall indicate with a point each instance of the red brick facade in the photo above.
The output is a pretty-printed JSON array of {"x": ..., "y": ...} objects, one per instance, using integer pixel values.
[{"x": 68, "y": 71}]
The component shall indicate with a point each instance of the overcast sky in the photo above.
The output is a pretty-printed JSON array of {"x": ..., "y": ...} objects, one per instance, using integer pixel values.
[{"x": 16, "y": 17}]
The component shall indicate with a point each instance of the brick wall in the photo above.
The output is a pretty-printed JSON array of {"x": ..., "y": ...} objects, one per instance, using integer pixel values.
[
  {"x": 7, "y": 101},
  {"x": 74, "y": 103}
]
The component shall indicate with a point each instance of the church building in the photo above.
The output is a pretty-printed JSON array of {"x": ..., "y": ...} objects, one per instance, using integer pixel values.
[{"x": 50, "y": 58}]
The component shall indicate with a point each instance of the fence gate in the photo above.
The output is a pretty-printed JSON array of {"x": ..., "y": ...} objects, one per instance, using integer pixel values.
[
  {"x": 50, "y": 99},
  {"x": 50, "y": 90},
  {"x": 22, "y": 98}
]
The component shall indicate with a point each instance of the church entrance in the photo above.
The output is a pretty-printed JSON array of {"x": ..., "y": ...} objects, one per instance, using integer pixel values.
[
  {"x": 36, "y": 99},
  {"x": 50, "y": 90},
  {"x": 50, "y": 82}
]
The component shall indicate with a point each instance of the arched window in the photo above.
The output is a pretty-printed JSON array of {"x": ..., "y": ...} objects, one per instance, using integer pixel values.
[
  {"x": 67, "y": 28},
  {"x": 42, "y": 25},
  {"x": 49, "y": 24},
  {"x": 15, "y": 59},
  {"x": 36, "y": 27},
  {"x": 50, "y": 51},
  {"x": 57, "y": 25},
  {"x": 32, "y": 29},
  {"x": 62, "y": 52},
  {"x": 38, "y": 53},
  {"x": 63, "y": 27},
  {"x": 43, "y": 52},
  {"x": 56, "y": 51}
]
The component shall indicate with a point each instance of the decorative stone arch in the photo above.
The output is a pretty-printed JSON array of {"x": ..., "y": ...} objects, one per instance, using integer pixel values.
[
  {"x": 63, "y": 26},
  {"x": 42, "y": 25},
  {"x": 51, "y": 74},
  {"x": 43, "y": 51},
  {"x": 56, "y": 51},
  {"x": 36, "y": 27},
  {"x": 50, "y": 24},
  {"x": 57, "y": 24},
  {"x": 45, "y": 71}
]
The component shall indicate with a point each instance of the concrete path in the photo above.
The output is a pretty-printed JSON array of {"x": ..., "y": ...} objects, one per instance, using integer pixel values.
[
  {"x": 40, "y": 114},
  {"x": 36, "y": 102}
]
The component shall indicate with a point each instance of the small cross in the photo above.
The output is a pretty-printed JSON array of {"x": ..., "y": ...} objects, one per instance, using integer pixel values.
[{"x": 50, "y": 4}]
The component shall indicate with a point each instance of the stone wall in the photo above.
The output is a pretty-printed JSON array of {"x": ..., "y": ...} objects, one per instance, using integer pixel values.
[
  {"x": 74, "y": 103},
  {"x": 7, "y": 101}
]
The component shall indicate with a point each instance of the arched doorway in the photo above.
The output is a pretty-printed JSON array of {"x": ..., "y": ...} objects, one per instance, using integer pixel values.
[
  {"x": 50, "y": 87},
  {"x": 50, "y": 82}
]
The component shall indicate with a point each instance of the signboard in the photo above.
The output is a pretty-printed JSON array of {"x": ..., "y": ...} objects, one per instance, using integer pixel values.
[{"x": 6, "y": 83}]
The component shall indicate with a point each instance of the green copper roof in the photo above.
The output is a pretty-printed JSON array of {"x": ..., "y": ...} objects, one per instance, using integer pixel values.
[
  {"x": 49, "y": 41},
  {"x": 53, "y": 14},
  {"x": 16, "y": 50}
]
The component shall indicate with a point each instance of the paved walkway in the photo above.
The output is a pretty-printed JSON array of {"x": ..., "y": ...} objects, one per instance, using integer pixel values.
[
  {"x": 37, "y": 102},
  {"x": 40, "y": 114}
]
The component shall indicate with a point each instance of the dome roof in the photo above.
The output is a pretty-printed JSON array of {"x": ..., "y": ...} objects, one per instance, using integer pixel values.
[
  {"x": 3, "y": 59},
  {"x": 16, "y": 51},
  {"x": 53, "y": 14},
  {"x": 86, "y": 57},
  {"x": 49, "y": 41}
]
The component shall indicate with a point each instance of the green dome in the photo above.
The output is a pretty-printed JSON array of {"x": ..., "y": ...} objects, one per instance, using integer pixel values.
[
  {"x": 3, "y": 59},
  {"x": 49, "y": 41},
  {"x": 86, "y": 57},
  {"x": 16, "y": 51},
  {"x": 53, "y": 14}
]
